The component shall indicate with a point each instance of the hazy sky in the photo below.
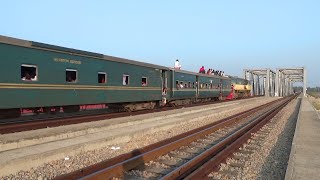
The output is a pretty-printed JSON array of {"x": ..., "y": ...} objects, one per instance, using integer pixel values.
[{"x": 226, "y": 35}]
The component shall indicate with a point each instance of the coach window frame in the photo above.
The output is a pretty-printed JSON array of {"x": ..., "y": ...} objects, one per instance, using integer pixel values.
[
  {"x": 189, "y": 85},
  {"x": 68, "y": 73},
  {"x": 23, "y": 68},
  {"x": 105, "y": 77},
  {"x": 125, "y": 79},
  {"x": 144, "y": 81}
]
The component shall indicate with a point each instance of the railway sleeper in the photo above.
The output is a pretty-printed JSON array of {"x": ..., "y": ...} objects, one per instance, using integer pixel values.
[
  {"x": 182, "y": 156},
  {"x": 157, "y": 170},
  {"x": 174, "y": 163}
]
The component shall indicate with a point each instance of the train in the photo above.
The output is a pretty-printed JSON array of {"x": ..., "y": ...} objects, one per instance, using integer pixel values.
[{"x": 37, "y": 76}]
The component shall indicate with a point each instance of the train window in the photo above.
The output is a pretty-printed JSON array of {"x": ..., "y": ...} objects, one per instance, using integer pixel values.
[
  {"x": 206, "y": 86},
  {"x": 181, "y": 84},
  {"x": 71, "y": 75},
  {"x": 29, "y": 72},
  {"x": 211, "y": 85},
  {"x": 177, "y": 85},
  {"x": 125, "y": 80},
  {"x": 144, "y": 81},
  {"x": 193, "y": 85},
  {"x": 201, "y": 85},
  {"x": 189, "y": 85},
  {"x": 102, "y": 77}
]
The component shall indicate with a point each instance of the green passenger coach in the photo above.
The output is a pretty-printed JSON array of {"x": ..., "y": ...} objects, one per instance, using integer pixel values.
[
  {"x": 37, "y": 75},
  {"x": 48, "y": 78}
]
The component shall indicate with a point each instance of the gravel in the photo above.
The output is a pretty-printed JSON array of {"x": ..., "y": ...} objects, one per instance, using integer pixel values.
[
  {"x": 84, "y": 159},
  {"x": 270, "y": 149}
]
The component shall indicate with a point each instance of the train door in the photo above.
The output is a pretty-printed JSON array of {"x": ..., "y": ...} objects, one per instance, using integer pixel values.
[
  {"x": 220, "y": 89},
  {"x": 164, "y": 87},
  {"x": 197, "y": 87}
]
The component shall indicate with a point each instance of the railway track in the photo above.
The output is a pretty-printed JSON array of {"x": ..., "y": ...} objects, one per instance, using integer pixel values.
[
  {"x": 191, "y": 155},
  {"x": 18, "y": 125}
]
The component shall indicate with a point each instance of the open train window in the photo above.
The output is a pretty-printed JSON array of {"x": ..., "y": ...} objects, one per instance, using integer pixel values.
[
  {"x": 144, "y": 81},
  {"x": 29, "y": 72},
  {"x": 71, "y": 75},
  {"x": 193, "y": 85},
  {"x": 125, "y": 79},
  {"x": 189, "y": 85},
  {"x": 181, "y": 84},
  {"x": 102, "y": 77}
]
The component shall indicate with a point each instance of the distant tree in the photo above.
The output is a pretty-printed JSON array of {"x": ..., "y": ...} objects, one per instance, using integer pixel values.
[
  {"x": 313, "y": 89},
  {"x": 298, "y": 88}
]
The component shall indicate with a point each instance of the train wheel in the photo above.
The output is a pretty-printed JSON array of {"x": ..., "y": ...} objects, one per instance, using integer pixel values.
[
  {"x": 51, "y": 110},
  {"x": 47, "y": 110},
  {"x": 56, "y": 109},
  {"x": 71, "y": 109},
  {"x": 36, "y": 110}
]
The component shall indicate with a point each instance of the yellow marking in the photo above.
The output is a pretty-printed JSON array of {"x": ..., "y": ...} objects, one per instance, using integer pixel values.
[
  {"x": 184, "y": 90},
  {"x": 241, "y": 87},
  {"x": 17, "y": 87},
  {"x": 70, "y": 85},
  {"x": 205, "y": 90},
  {"x": 66, "y": 61},
  {"x": 193, "y": 90},
  {"x": 58, "y": 86}
]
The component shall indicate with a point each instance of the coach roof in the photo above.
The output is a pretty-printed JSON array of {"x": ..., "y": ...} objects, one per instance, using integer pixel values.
[{"x": 48, "y": 47}]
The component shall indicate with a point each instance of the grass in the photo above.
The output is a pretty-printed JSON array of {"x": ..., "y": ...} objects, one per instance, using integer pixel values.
[
  {"x": 314, "y": 94},
  {"x": 316, "y": 104},
  {"x": 314, "y": 99}
]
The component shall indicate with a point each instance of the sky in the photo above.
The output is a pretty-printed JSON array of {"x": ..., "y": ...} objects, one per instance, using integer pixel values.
[{"x": 229, "y": 35}]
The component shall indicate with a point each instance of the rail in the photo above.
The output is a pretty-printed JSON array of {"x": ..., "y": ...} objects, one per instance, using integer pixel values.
[{"x": 195, "y": 167}]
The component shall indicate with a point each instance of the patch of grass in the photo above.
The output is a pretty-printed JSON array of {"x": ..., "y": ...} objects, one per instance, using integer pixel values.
[
  {"x": 316, "y": 104},
  {"x": 314, "y": 94}
]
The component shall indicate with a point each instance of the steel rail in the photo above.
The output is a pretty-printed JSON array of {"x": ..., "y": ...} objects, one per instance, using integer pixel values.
[
  {"x": 213, "y": 164},
  {"x": 116, "y": 166},
  {"x": 223, "y": 149},
  {"x": 59, "y": 121}
]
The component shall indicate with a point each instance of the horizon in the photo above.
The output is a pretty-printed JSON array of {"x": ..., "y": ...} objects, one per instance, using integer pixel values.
[{"x": 223, "y": 36}]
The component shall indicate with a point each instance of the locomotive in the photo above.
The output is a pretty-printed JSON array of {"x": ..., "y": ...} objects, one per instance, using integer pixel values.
[{"x": 38, "y": 76}]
